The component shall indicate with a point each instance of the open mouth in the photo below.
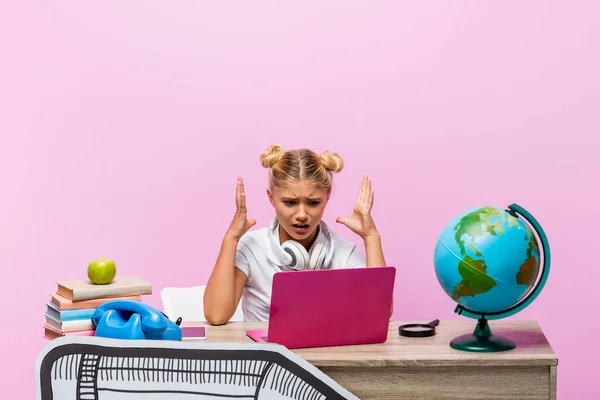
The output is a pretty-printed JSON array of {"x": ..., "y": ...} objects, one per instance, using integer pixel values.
[{"x": 300, "y": 227}]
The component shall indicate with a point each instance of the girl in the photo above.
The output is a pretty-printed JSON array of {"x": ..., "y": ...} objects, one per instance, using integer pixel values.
[{"x": 297, "y": 238}]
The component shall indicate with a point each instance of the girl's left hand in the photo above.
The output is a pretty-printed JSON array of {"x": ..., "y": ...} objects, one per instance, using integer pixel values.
[{"x": 361, "y": 222}]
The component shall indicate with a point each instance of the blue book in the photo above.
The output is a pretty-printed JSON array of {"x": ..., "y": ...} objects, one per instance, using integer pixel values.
[{"x": 70, "y": 315}]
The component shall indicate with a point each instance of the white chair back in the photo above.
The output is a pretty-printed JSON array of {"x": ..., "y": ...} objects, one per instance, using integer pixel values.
[{"x": 188, "y": 303}]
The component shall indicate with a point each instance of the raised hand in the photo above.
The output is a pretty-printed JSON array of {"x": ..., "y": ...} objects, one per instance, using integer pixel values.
[
  {"x": 360, "y": 222},
  {"x": 240, "y": 223}
]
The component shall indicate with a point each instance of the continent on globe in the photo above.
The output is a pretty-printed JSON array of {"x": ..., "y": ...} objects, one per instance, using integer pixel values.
[
  {"x": 473, "y": 272},
  {"x": 530, "y": 269},
  {"x": 477, "y": 223},
  {"x": 474, "y": 279},
  {"x": 471, "y": 227}
]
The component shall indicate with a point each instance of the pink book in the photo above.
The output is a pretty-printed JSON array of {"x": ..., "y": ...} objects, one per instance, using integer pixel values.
[
  {"x": 51, "y": 333},
  {"x": 62, "y": 303}
]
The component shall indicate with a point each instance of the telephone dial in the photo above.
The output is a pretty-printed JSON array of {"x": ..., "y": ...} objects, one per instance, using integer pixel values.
[{"x": 130, "y": 319}]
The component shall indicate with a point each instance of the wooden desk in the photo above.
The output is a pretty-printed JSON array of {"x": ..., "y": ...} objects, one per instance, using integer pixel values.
[{"x": 428, "y": 368}]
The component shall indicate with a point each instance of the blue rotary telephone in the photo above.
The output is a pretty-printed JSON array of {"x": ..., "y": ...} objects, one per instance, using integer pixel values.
[{"x": 130, "y": 319}]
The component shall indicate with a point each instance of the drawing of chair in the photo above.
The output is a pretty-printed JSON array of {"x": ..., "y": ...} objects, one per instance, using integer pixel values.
[
  {"x": 188, "y": 303},
  {"x": 97, "y": 368}
]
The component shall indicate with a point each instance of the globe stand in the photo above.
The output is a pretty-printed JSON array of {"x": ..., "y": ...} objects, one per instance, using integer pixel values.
[{"x": 482, "y": 340}]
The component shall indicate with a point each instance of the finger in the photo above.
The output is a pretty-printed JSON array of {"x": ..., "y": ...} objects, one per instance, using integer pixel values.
[
  {"x": 369, "y": 202},
  {"x": 243, "y": 209},
  {"x": 364, "y": 190},
  {"x": 370, "y": 194},
  {"x": 251, "y": 223},
  {"x": 240, "y": 200},
  {"x": 242, "y": 196},
  {"x": 360, "y": 191},
  {"x": 237, "y": 194},
  {"x": 341, "y": 220}
]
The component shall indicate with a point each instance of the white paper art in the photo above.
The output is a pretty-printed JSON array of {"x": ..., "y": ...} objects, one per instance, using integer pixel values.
[{"x": 97, "y": 368}]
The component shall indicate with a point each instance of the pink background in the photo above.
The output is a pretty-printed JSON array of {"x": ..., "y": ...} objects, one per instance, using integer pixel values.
[{"x": 124, "y": 126}]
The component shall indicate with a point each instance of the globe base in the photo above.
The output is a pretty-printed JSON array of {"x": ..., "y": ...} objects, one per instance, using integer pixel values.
[{"x": 482, "y": 340}]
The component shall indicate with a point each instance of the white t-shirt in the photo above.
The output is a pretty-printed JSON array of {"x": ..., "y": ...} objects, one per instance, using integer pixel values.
[{"x": 259, "y": 256}]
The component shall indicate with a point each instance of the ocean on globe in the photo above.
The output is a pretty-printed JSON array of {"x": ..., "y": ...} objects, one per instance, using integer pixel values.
[{"x": 486, "y": 259}]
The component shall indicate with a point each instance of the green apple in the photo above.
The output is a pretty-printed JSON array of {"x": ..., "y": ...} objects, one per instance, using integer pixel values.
[{"x": 102, "y": 271}]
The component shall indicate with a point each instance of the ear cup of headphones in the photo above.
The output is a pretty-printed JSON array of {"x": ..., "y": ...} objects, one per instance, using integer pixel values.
[
  {"x": 299, "y": 255},
  {"x": 317, "y": 255}
]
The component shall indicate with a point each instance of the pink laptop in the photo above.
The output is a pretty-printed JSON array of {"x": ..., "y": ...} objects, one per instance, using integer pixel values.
[{"x": 316, "y": 308}]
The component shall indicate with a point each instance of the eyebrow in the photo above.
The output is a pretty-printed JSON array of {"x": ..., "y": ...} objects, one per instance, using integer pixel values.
[{"x": 285, "y": 198}]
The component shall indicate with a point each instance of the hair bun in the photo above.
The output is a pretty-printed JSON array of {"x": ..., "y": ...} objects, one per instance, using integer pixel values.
[
  {"x": 331, "y": 161},
  {"x": 271, "y": 156}
]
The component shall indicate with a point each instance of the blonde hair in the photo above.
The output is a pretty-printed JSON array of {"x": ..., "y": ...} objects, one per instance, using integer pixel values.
[{"x": 303, "y": 164}]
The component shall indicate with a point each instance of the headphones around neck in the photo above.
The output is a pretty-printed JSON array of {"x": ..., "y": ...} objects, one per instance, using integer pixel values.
[
  {"x": 302, "y": 259},
  {"x": 293, "y": 256}
]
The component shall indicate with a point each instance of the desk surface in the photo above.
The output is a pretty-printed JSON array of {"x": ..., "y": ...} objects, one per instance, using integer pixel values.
[{"x": 532, "y": 348}]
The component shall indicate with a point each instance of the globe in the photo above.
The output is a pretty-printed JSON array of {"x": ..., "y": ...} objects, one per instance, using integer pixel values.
[{"x": 493, "y": 263}]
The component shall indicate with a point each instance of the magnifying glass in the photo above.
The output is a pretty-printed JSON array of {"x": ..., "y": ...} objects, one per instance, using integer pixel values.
[{"x": 418, "y": 330}]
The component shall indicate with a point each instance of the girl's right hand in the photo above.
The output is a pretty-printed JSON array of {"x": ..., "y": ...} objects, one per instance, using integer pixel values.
[{"x": 240, "y": 223}]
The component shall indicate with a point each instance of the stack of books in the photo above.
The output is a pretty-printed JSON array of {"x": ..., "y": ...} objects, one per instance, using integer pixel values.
[{"x": 70, "y": 309}]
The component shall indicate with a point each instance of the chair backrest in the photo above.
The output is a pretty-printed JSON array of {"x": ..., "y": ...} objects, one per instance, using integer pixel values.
[
  {"x": 188, "y": 303},
  {"x": 92, "y": 367}
]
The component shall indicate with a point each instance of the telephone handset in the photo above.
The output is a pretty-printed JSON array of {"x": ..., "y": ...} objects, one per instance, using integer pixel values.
[{"x": 130, "y": 319}]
